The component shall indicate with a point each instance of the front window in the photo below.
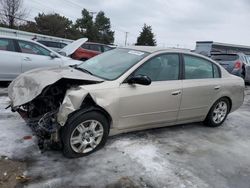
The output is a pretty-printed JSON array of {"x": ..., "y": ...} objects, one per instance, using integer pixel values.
[
  {"x": 112, "y": 64},
  {"x": 106, "y": 48},
  {"x": 161, "y": 68}
]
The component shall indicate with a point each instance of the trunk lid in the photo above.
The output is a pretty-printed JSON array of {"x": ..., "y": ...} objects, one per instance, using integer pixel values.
[{"x": 72, "y": 47}]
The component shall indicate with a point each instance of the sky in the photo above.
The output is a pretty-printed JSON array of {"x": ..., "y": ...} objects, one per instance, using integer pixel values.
[{"x": 175, "y": 23}]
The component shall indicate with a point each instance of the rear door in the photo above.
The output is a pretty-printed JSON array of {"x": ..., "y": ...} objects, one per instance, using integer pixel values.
[
  {"x": 10, "y": 62},
  {"x": 201, "y": 85},
  {"x": 36, "y": 56}
]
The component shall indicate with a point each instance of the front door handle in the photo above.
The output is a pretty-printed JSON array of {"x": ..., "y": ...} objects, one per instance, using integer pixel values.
[
  {"x": 176, "y": 92},
  {"x": 27, "y": 59},
  {"x": 217, "y": 87}
]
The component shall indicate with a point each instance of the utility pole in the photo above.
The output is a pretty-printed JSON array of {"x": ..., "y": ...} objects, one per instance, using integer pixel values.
[
  {"x": 126, "y": 38},
  {"x": 92, "y": 13}
]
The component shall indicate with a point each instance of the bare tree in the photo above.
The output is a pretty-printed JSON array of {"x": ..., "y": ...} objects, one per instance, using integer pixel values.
[{"x": 12, "y": 12}]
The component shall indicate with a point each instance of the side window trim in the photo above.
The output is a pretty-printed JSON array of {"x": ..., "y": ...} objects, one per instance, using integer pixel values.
[
  {"x": 166, "y": 53},
  {"x": 17, "y": 47},
  {"x": 218, "y": 68},
  {"x": 102, "y": 48},
  {"x": 183, "y": 65}
]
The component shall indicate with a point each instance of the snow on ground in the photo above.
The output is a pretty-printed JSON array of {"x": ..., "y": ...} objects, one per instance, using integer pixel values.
[{"x": 181, "y": 156}]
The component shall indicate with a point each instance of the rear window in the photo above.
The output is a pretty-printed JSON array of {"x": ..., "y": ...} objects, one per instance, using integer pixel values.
[
  {"x": 85, "y": 46},
  {"x": 95, "y": 47},
  {"x": 6, "y": 45},
  {"x": 226, "y": 57}
]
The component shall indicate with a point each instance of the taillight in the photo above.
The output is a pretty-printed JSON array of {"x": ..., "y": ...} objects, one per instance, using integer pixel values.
[{"x": 237, "y": 65}]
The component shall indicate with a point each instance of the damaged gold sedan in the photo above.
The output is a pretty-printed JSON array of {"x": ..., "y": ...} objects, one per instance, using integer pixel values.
[{"x": 127, "y": 89}]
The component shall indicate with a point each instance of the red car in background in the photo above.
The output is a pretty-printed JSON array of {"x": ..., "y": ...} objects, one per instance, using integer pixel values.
[{"x": 89, "y": 50}]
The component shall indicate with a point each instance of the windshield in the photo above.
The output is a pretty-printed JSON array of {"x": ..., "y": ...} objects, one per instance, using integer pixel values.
[{"x": 112, "y": 64}]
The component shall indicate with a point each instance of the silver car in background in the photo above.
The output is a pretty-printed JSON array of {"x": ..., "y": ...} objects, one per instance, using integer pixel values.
[
  {"x": 19, "y": 55},
  {"x": 123, "y": 90}
]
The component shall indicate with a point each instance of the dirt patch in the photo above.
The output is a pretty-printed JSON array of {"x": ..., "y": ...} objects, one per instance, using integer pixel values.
[
  {"x": 123, "y": 182},
  {"x": 11, "y": 173}
]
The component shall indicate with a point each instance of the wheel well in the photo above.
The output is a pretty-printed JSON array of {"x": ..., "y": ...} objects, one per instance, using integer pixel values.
[
  {"x": 90, "y": 105},
  {"x": 230, "y": 102}
]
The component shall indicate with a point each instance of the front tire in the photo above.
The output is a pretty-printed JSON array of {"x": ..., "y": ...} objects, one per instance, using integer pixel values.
[
  {"x": 218, "y": 113},
  {"x": 84, "y": 134}
]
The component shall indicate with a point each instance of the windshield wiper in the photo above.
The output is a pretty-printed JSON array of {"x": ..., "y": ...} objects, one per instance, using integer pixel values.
[{"x": 82, "y": 69}]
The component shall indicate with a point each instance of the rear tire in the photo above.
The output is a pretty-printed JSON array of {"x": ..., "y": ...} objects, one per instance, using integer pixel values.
[
  {"x": 218, "y": 113},
  {"x": 84, "y": 134}
]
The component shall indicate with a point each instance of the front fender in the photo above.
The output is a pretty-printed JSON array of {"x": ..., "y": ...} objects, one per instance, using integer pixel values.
[
  {"x": 71, "y": 102},
  {"x": 75, "y": 99}
]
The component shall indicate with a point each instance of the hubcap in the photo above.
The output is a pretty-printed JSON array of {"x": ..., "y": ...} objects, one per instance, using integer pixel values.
[
  {"x": 86, "y": 136},
  {"x": 220, "y": 112}
]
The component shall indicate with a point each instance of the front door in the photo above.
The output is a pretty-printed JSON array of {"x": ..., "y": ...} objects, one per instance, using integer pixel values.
[
  {"x": 157, "y": 103},
  {"x": 35, "y": 56}
]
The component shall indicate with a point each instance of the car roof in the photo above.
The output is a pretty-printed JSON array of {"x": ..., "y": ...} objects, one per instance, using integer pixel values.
[
  {"x": 153, "y": 49},
  {"x": 44, "y": 40},
  {"x": 13, "y": 37},
  {"x": 96, "y": 43},
  {"x": 28, "y": 40}
]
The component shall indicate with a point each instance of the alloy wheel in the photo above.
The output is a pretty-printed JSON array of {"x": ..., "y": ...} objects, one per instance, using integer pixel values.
[
  {"x": 220, "y": 112},
  {"x": 86, "y": 136}
]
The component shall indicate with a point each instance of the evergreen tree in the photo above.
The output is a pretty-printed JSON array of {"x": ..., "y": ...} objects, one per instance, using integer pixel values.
[
  {"x": 86, "y": 24},
  {"x": 146, "y": 37},
  {"x": 54, "y": 25},
  {"x": 103, "y": 26}
]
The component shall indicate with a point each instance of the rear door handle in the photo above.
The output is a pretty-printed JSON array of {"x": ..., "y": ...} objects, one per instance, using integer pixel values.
[
  {"x": 217, "y": 87},
  {"x": 27, "y": 59},
  {"x": 176, "y": 92}
]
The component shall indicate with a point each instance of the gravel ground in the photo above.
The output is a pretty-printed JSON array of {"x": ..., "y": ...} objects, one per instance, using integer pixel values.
[{"x": 181, "y": 156}]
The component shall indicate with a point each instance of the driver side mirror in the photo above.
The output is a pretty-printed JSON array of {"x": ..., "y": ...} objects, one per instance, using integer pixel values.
[
  {"x": 52, "y": 55},
  {"x": 139, "y": 79}
]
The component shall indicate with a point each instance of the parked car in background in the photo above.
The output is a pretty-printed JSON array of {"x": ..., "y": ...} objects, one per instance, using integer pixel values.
[
  {"x": 56, "y": 46},
  {"x": 248, "y": 58},
  {"x": 89, "y": 50},
  {"x": 123, "y": 90},
  {"x": 234, "y": 63},
  {"x": 247, "y": 77},
  {"x": 19, "y": 55}
]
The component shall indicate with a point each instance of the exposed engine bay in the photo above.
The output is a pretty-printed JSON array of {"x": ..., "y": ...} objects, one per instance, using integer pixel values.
[{"x": 40, "y": 113}]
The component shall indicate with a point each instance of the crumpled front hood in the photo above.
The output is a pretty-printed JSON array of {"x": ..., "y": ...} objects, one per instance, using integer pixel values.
[{"x": 29, "y": 85}]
